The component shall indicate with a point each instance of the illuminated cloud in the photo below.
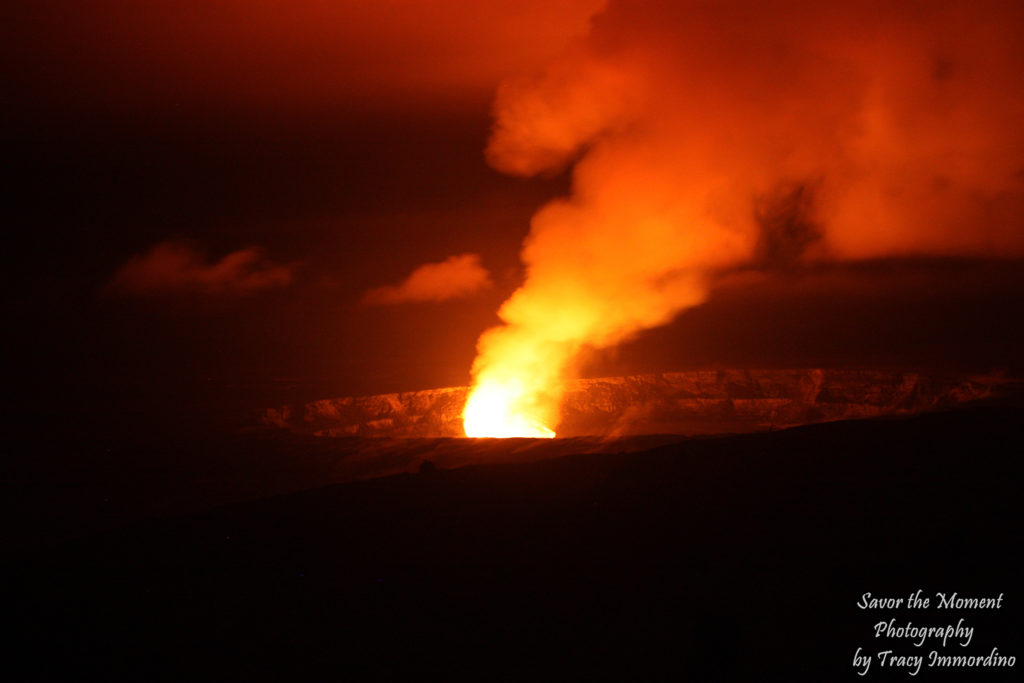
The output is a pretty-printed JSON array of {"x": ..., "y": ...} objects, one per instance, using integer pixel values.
[
  {"x": 175, "y": 267},
  {"x": 456, "y": 276}
]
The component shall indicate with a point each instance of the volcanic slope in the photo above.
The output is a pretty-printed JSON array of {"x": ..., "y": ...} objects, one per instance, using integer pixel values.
[{"x": 733, "y": 558}]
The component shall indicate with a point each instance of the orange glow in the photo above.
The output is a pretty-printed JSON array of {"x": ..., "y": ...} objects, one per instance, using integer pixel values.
[{"x": 295, "y": 54}]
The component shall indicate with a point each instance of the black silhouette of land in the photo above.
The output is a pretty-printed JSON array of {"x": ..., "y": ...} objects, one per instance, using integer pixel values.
[{"x": 721, "y": 558}]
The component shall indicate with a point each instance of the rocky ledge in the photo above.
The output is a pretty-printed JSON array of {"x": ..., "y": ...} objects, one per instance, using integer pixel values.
[{"x": 696, "y": 402}]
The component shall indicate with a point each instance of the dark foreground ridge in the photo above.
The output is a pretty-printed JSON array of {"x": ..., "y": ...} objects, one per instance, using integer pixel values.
[{"x": 736, "y": 558}]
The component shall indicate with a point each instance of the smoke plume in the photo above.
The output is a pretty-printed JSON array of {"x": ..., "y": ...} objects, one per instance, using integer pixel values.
[{"x": 706, "y": 137}]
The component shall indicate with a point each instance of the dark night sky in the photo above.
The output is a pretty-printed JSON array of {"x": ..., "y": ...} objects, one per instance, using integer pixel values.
[{"x": 285, "y": 126}]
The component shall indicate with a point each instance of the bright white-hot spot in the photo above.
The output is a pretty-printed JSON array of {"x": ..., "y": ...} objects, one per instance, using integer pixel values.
[{"x": 496, "y": 409}]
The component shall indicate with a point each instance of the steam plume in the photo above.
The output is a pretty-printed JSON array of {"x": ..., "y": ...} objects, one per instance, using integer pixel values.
[{"x": 711, "y": 136}]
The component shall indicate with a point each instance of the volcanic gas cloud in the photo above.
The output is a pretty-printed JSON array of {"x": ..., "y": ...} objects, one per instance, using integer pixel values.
[{"x": 707, "y": 137}]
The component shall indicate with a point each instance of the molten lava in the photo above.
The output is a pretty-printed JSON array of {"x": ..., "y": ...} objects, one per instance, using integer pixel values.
[
  {"x": 500, "y": 410},
  {"x": 518, "y": 376}
]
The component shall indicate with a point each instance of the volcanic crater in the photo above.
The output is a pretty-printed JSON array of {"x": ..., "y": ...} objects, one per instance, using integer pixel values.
[{"x": 682, "y": 403}]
